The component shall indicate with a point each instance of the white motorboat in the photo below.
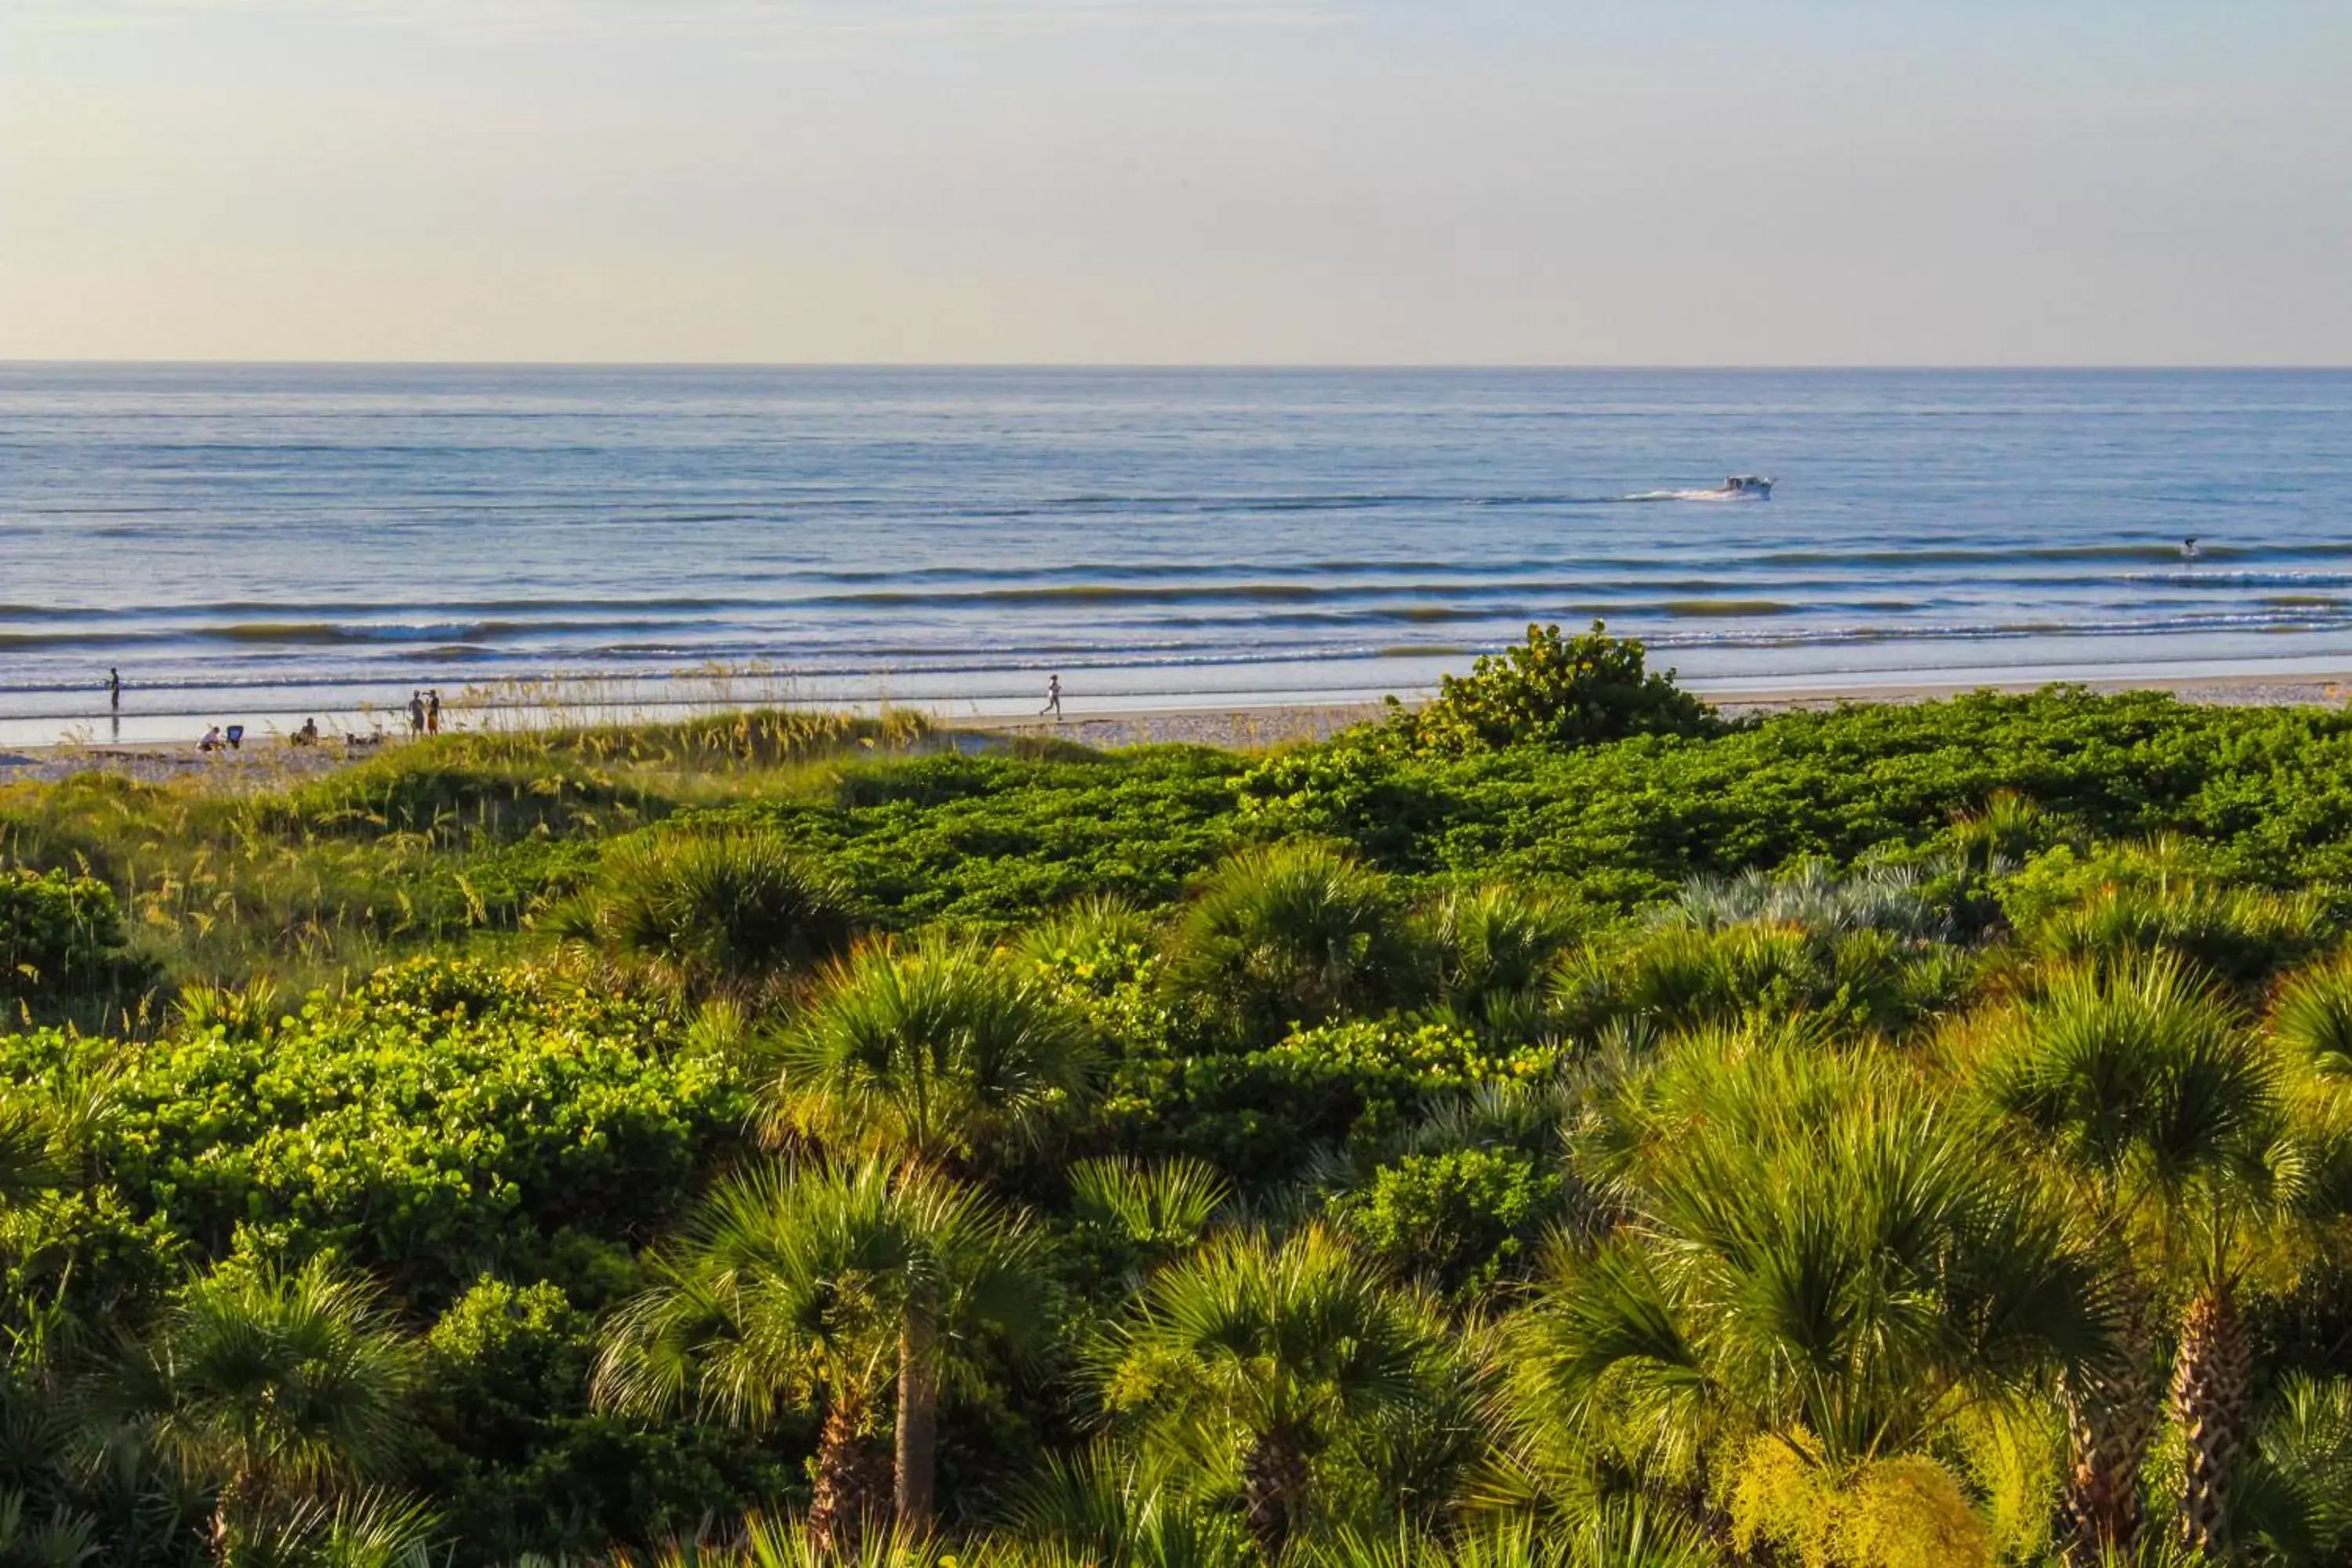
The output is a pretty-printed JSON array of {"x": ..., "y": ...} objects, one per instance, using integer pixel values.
[{"x": 1754, "y": 486}]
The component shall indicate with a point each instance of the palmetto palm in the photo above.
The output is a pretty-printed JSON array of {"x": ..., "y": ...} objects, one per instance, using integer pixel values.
[
  {"x": 1813, "y": 1253},
  {"x": 1493, "y": 948},
  {"x": 933, "y": 1052},
  {"x": 273, "y": 1384},
  {"x": 1622, "y": 1534},
  {"x": 783, "y": 1290},
  {"x": 1254, "y": 1354},
  {"x": 1293, "y": 932},
  {"x": 29, "y": 1166},
  {"x": 2312, "y": 1018},
  {"x": 2139, "y": 1077},
  {"x": 1110, "y": 1506},
  {"x": 708, "y": 912},
  {"x": 795, "y": 1287}
]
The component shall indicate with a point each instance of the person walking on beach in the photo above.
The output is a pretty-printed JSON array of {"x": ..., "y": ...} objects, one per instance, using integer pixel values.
[
  {"x": 1053, "y": 697},
  {"x": 416, "y": 712},
  {"x": 114, "y": 688},
  {"x": 433, "y": 710}
]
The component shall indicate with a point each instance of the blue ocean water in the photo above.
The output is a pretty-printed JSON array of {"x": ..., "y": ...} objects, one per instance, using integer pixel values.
[{"x": 260, "y": 542}]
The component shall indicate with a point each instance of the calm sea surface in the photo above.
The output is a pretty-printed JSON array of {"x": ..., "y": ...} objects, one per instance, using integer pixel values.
[{"x": 261, "y": 542}]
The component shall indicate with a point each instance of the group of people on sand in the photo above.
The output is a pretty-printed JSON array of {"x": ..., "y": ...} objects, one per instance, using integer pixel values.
[
  {"x": 233, "y": 737},
  {"x": 424, "y": 717}
]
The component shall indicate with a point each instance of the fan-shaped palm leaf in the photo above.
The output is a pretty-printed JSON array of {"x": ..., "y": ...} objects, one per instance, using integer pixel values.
[{"x": 934, "y": 1051}]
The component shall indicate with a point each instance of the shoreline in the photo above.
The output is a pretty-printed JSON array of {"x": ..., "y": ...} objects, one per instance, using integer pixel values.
[{"x": 1226, "y": 725}]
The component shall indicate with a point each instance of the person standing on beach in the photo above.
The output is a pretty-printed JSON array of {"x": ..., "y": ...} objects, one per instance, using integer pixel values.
[
  {"x": 433, "y": 710},
  {"x": 416, "y": 712},
  {"x": 114, "y": 688},
  {"x": 1053, "y": 697}
]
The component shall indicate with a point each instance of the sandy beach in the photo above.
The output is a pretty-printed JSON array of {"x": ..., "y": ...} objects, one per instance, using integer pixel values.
[{"x": 270, "y": 762}]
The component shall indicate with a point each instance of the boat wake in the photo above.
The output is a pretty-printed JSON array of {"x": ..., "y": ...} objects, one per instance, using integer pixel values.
[{"x": 1738, "y": 487}]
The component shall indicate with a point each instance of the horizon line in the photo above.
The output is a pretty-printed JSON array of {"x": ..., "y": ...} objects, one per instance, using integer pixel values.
[{"x": 1738, "y": 367}]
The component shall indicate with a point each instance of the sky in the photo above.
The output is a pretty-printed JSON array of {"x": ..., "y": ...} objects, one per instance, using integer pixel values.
[{"x": 1321, "y": 182}]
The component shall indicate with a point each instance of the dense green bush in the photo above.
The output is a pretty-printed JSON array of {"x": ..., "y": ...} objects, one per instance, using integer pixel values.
[
  {"x": 444, "y": 1118},
  {"x": 1680, "y": 978},
  {"x": 1461, "y": 1219},
  {"x": 60, "y": 936},
  {"x": 522, "y": 1463},
  {"x": 1554, "y": 691},
  {"x": 997, "y": 840},
  {"x": 1258, "y": 1115}
]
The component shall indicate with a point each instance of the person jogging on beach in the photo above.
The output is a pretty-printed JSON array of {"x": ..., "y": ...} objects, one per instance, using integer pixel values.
[{"x": 1053, "y": 697}]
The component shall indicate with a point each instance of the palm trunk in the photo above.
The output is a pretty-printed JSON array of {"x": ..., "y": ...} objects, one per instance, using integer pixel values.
[
  {"x": 2213, "y": 1398},
  {"x": 919, "y": 1415},
  {"x": 229, "y": 1507},
  {"x": 2111, "y": 1415},
  {"x": 851, "y": 1480},
  {"x": 1274, "y": 1492}
]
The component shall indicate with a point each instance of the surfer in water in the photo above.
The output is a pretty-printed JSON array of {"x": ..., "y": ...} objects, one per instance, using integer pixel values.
[{"x": 2188, "y": 550}]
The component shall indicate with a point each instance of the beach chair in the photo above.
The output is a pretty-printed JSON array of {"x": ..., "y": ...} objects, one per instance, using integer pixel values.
[{"x": 235, "y": 734}]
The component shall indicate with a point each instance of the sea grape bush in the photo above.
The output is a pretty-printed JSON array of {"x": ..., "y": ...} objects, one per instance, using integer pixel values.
[
  {"x": 443, "y": 1118},
  {"x": 1259, "y": 1114},
  {"x": 1463, "y": 1220},
  {"x": 1551, "y": 690},
  {"x": 519, "y": 1462}
]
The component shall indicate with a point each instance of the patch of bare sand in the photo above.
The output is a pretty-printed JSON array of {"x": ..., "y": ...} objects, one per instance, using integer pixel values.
[{"x": 260, "y": 766}]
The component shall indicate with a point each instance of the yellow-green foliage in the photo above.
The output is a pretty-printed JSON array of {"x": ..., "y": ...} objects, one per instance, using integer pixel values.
[
  {"x": 1903, "y": 1512},
  {"x": 2015, "y": 1459}
]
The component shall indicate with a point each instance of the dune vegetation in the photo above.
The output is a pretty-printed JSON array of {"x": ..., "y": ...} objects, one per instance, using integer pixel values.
[{"x": 1555, "y": 1126}]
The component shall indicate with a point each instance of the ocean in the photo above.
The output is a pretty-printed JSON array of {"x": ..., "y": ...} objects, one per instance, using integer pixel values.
[{"x": 258, "y": 543}]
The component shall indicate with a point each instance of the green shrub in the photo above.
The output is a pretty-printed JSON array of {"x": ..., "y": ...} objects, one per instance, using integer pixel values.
[
  {"x": 522, "y": 1465},
  {"x": 1355, "y": 788},
  {"x": 1554, "y": 691},
  {"x": 444, "y": 1118},
  {"x": 1682, "y": 977},
  {"x": 2312, "y": 1017},
  {"x": 2241, "y": 935},
  {"x": 461, "y": 790},
  {"x": 1461, "y": 1219},
  {"x": 1258, "y": 1115},
  {"x": 60, "y": 936}
]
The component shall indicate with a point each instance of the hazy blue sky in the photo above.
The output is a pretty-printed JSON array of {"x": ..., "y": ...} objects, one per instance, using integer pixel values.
[{"x": 1635, "y": 181}]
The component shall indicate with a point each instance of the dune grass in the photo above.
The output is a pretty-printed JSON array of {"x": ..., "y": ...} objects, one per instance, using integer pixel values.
[{"x": 442, "y": 844}]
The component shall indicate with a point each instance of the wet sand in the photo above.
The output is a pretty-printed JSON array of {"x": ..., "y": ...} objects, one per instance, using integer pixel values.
[{"x": 270, "y": 762}]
